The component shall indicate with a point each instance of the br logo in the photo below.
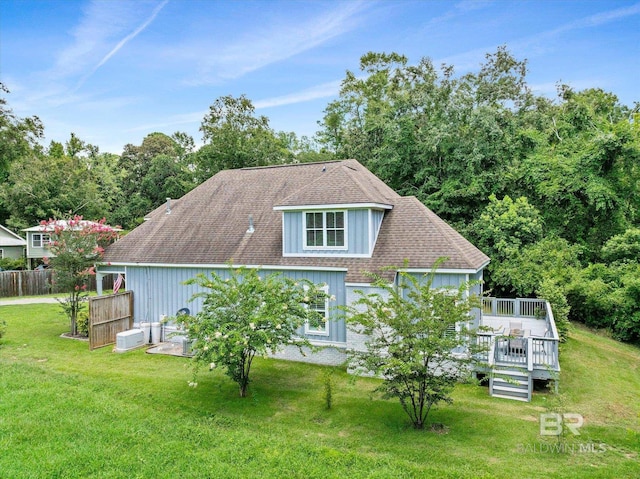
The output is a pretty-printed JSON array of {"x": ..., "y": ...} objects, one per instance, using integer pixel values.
[{"x": 552, "y": 424}]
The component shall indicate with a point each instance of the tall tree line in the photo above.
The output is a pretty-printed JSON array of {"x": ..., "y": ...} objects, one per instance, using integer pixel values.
[{"x": 548, "y": 188}]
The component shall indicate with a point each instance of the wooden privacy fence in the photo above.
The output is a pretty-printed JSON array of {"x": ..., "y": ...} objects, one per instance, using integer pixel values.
[
  {"x": 108, "y": 316},
  {"x": 36, "y": 283}
]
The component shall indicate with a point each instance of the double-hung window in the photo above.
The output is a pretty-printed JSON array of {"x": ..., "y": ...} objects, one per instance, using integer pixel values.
[
  {"x": 325, "y": 230},
  {"x": 319, "y": 309},
  {"x": 40, "y": 240}
]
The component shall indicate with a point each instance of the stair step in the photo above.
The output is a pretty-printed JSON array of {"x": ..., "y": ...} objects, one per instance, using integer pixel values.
[
  {"x": 511, "y": 372},
  {"x": 515, "y": 398},
  {"x": 512, "y": 382},
  {"x": 507, "y": 389}
]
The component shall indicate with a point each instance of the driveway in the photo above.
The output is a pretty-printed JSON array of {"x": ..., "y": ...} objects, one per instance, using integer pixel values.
[{"x": 30, "y": 300}]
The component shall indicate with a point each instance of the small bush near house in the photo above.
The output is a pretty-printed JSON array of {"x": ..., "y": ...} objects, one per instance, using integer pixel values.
[
  {"x": 9, "y": 264},
  {"x": 83, "y": 323}
]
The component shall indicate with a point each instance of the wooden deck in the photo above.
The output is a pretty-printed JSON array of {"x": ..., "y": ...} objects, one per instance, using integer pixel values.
[{"x": 521, "y": 344}]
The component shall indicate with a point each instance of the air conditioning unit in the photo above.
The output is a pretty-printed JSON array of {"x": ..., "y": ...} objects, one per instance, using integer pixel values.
[{"x": 128, "y": 340}]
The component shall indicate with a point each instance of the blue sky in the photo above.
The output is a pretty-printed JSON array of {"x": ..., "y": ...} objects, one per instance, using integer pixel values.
[{"x": 113, "y": 71}]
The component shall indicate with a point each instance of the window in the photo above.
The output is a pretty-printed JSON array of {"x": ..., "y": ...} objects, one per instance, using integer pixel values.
[
  {"x": 320, "y": 310},
  {"x": 39, "y": 240},
  {"x": 325, "y": 229}
]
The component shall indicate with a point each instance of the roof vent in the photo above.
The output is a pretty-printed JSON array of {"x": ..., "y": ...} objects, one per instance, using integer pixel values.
[
  {"x": 251, "y": 228},
  {"x": 168, "y": 206}
]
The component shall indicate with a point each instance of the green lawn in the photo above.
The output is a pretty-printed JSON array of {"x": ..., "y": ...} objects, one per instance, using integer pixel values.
[{"x": 69, "y": 412}]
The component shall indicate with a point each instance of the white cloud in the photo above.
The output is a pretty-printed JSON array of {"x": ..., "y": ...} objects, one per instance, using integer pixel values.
[
  {"x": 123, "y": 42},
  {"x": 324, "y": 90},
  {"x": 459, "y": 9},
  {"x": 192, "y": 118},
  {"x": 272, "y": 43},
  {"x": 536, "y": 45}
]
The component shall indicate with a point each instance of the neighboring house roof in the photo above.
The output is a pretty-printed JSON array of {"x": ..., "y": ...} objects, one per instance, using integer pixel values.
[
  {"x": 9, "y": 238},
  {"x": 63, "y": 223},
  {"x": 209, "y": 224}
]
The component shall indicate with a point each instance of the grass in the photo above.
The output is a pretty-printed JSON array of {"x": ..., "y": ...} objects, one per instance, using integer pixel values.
[{"x": 66, "y": 412}]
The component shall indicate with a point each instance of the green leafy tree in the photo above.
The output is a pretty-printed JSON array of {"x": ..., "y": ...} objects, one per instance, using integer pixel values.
[
  {"x": 506, "y": 226},
  {"x": 246, "y": 315},
  {"x": 623, "y": 247},
  {"x": 18, "y": 138},
  {"x": 77, "y": 245},
  {"x": 157, "y": 169},
  {"x": 607, "y": 295},
  {"x": 236, "y": 138},
  {"x": 54, "y": 184},
  {"x": 583, "y": 175},
  {"x": 413, "y": 331},
  {"x": 446, "y": 139}
]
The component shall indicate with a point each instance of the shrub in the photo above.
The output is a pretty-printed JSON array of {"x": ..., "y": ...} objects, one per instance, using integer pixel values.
[
  {"x": 83, "y": 323},
  {"x": 12, "y": 263}
]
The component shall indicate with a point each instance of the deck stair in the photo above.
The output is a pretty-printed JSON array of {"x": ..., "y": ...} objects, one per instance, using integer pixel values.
[{"x": 511, "y": 383}]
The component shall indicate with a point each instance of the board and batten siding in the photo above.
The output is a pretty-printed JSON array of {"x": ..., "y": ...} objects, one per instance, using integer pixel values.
[
  {"x": 454, "y": 280},
  {"x": 358, "y": 233},
  {"x": 159, "y": 291},
  {"x": 356, "y": 341}
]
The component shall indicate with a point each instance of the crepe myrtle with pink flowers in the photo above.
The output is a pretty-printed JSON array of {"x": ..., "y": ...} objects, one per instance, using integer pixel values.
[{"x": 76, "y": 245}]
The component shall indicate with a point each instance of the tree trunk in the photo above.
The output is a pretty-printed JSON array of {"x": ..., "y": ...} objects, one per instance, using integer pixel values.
[{"x": 243, "y": 390}]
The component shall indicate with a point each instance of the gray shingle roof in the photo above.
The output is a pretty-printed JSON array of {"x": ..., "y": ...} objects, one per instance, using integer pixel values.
[{"x": 209, "y": 224}]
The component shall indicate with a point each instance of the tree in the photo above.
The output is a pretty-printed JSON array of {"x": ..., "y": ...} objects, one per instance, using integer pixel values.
[
  {"x": 18, "y": 138},
  {"x": 248, "y": 314},
  {"x": 413, "y": 330},
  {"x": 506, "y": 226},
  {"x": 236, "y": 138},
  {"x": 53, "y": 184},
  {"x": 447, "y": 140},
  {"x": 149, "y": 173},
  {"x": 583, "y": 174},
  {"x": 623, "y": 248},
  {"x": 77, "y": 245}
]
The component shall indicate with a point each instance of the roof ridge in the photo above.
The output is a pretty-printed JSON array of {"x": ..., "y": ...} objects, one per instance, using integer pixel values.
[
  {"x": 375, "y": 183},
  {"x": 286, "y": 165}
]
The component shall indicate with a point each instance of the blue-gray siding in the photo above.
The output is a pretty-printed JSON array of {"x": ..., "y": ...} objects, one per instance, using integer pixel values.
[
  {"x": 374, "y": 226},
  {"x": 159, "y": 291},
  {"x": 444, "y": 280},
  {"x": 358, "y": 234},
  {"x": 14, "y": 252}
]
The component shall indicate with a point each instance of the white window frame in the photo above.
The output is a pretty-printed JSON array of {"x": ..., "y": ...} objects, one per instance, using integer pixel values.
[
  {"x": 308, "y": 328},
  {"x": 43, "y": 239},
  {"x": 1, "y": 253},
  {"x": 324, "y": 245}
]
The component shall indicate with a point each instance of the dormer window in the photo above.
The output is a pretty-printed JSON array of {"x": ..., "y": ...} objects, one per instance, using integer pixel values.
[{"x": 325, "y": 230}]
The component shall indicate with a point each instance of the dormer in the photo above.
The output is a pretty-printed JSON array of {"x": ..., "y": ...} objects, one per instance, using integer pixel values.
[
  {"x": 339, "y": 212},
  {"x": 348, "y": 230}
]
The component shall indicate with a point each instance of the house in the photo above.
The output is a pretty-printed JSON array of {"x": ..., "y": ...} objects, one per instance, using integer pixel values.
[
  {"x": 11, "y": 245},
  {"x": 329, "y": 222},
  {"x": 39, "y": 237}
]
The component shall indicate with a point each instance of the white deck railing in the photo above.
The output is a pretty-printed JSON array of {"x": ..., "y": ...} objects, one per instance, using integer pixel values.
[
  {"x": 530, "y": 352},
  {"x": 515, "y": 308}
]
